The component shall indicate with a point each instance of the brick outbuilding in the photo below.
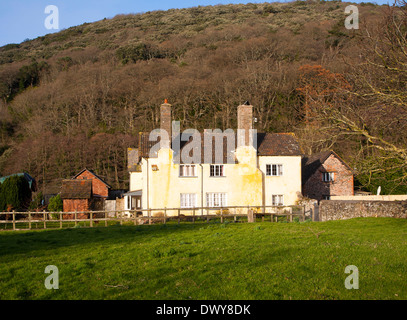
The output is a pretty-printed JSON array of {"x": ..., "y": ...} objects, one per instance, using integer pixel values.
[
  {"x": 84, "y": 192},
  {"x": 324, "y": 175},
  {"x": 76, "y": 196}
]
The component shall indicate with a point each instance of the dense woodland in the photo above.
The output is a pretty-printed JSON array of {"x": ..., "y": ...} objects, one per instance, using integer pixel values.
[{"x": 78, "y": 98}]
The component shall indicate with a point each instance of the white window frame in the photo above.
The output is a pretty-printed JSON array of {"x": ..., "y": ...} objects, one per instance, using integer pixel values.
[
  {"x": 188, "y": 200},
  {"x": 217, "y": 170},
  {"x": 187, "y": 170},
  {"x": 277, "y": 200},
  {"x": 328, "y": 176},
  {"x": 274, "y": 170},
  {"x": 216, "y": 199}
]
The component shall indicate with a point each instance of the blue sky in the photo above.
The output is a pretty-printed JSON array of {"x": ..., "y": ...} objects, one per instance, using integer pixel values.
[{"x": 24, "y": 19}]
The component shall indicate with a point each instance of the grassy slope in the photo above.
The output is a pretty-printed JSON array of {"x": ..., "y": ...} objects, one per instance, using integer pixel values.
[{"x": 209, "y": 261}]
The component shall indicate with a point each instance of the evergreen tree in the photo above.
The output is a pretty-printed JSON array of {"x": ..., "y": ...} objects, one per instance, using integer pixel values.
[{"x": 15, "y": 194}]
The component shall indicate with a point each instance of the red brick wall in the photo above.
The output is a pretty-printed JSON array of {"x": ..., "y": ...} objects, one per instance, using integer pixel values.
[
  {"x": 98, "y": 187},
  {"x": 342, "y": 185},
  {"x": 72, "y": 205}
]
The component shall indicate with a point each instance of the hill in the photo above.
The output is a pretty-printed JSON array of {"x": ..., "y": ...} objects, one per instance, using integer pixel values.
[{"x": 78, "y": 98}]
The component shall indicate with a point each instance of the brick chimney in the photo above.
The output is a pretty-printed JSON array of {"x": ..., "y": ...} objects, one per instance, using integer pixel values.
[
  {"x": 244, "y": 122},
  {"x": 165, "y": 123}
]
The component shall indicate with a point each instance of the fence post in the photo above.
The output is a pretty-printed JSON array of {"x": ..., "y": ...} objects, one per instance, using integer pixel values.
[
  {"x": 14, "y": 220},
  {"x": 315, "y": 215},
  {"x": 60, "y": 220},
  {"x": 179, "y": 216},
  {"x": 165, "y": 215},
  {"x": 76, "y": 219},
  {"x": 29, "y": 220},
  {"x": 303, "y": 213},
  {"x": 91, "y": 219},
  {"x": 45, "y": 219},
  {"x": 149, "y": 216},
  {"x": 193, "y": 216},
  {"x": 105, "y": 218}
]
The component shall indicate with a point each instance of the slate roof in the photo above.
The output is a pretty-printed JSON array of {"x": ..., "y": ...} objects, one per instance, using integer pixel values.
[
  {"x": 312, "y": 163},
  {"x": 76, "y": 189},
  {"x": 268, "y": 144},
  {"x": 218, "y": 155},
  {"x": 31, "y": 181}
]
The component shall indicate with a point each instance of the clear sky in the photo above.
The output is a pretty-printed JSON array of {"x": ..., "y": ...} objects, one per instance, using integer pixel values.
[{"x": 25, "y": 19}]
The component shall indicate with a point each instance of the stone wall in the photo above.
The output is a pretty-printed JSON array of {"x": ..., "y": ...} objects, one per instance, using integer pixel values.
[
  {"x": 401, "y": 197},
  {"x": 342, "y": 209}
]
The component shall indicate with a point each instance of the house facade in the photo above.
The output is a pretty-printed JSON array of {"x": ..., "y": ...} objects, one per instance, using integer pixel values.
[
  {"x": 326, "y": 175},
  {"x": 214, "y": 169}
]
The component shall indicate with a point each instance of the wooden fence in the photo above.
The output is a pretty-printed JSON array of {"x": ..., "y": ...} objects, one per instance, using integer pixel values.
[{"x": 44, "y": 220}]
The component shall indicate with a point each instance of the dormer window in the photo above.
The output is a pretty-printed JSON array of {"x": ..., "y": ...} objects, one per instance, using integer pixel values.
[
  {"x": 187, "y": 170},
  {"x": 216, "y": 170}
]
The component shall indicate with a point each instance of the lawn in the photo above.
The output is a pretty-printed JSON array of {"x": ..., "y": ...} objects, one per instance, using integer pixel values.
[{"x": 300, "y": 260}]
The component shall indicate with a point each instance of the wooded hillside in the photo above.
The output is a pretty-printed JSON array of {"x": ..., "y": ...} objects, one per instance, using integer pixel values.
[{"x": 79, "y": 97}]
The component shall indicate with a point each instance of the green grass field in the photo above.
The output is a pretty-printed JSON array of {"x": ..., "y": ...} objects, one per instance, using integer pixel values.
[{"x": 209, "y": 261}]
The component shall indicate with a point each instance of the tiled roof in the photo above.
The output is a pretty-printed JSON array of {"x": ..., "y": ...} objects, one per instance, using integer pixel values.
[
  {"x": 277, "y": 144},
  {"x": 145, "y": 145},
  {"x": 76, "y": 189}
]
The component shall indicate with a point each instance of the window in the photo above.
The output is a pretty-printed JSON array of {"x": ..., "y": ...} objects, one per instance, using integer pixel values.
[
  {"x": 277, "y": 200},
  {"x": 217, "y": 170},
  {"x": 326, "y": 197},
  {"x": 274, "y": 169},
  {"x": 134, "y": 202},
  {"x": 186, "y": 170},
  {"x": 327, "y": 176},
  {"x": 188, "y": 200},
  {"x": 216, "y": 199}
]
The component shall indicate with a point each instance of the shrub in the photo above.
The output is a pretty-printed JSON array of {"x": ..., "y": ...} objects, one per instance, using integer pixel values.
[
  {"x": 158, "y": 214},
  {"x": 136, "y": 52},
  {"x": 37, "y": 202},
  {"x": 55, "y": 204},
  {"x": 224, "y": 212}
]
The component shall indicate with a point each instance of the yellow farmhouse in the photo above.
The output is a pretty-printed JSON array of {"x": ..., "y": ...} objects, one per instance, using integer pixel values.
[{"x": 213, "y": 169}]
